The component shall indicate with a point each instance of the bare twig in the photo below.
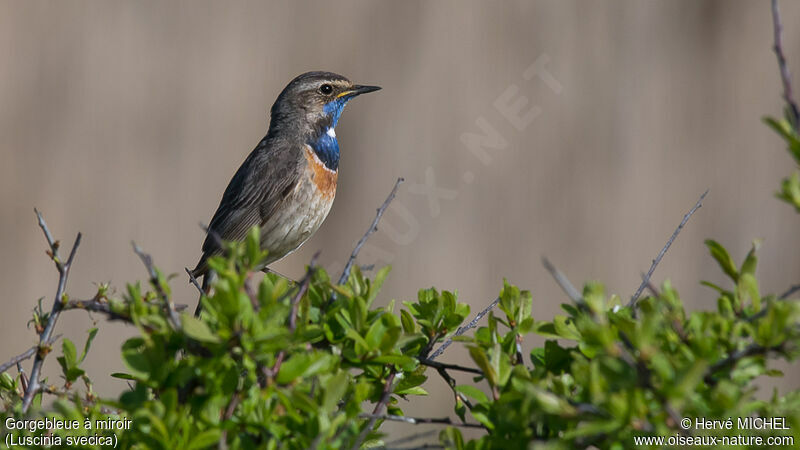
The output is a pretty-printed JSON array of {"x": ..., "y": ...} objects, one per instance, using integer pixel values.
[
  {"x": 420, "y": 420},
  {"x": 562, "y": 281},
  {"x": 229, "y": 410},
  {"x": 438, "y": 365},
  {"x": 735, "y": 357},
  {"x": 784, "y": 69},
  {"x": 147, "y": 260},
  {"x": 270, "y": 373},
  {"x": 45, "y": 338},
  {"x": 17, "y": 359},
  {"x": 461, "y": 330},
  {"x": 23, "y": 380},
  {"x": 417, "y": 447},
  {"x": 104, "y": 307},
  {"x": 97, "y": 306},
  {"x": 304, "y": 283},
  {"x": 411, "y": 438},
  {"x": 789, "y": 292},
  {"x": 194, "y": 281},
  {"x": 663, "y": 251},
  {"x": 651, "y": 287},
  {"x": 388, "y": 388},
  {"x": 372, "y": 228},
  {"x": 451, "y": 383}
]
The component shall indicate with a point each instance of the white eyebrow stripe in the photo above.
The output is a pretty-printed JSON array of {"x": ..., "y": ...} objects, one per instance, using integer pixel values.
[{"x": 331, "y": 132}]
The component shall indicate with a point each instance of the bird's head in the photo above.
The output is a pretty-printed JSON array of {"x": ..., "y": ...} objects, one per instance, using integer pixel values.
[{"x": 314, "y": 101}]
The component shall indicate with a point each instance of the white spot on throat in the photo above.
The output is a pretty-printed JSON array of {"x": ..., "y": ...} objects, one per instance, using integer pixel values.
[{"x": 331, "y": 132}]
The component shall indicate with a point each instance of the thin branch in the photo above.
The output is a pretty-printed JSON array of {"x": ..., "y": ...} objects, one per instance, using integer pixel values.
[
  {"x": 438, "y": 365},
  {"x": 45, "y": 338},
  {"x": 451, "y": 383},
  {"x": 270, "y": 373},
  {"x": 23, "y": 380},
  {"x": 735, "y": 357},
  {"x": 251, "y": 294},
  {"x": 194, "y": 281},
  {"x": 229, "y": 410},
  {"x": 372, "y": 228},
  {"x": 418, "y": 447},
  {"x": 789, "y": 292},
  {"x": 562, "y": 281},
  {"x": 98, "y": 307},
  {"x": 411, "y": 438},
  {"x": 388, "y": 388},
  {"x": 461, "y": 330},
  {"x": 103, "y": 307},
  {"x": 420, "y": 420},
  {"x": 304, "y": 283},
  {"x": 17, "y": 359},
  {"x": 663, "y": 251},
  {"x": 147, "y": 260},
  {"x": 651, "y": 287},
  {"x": 786, "y": 79}
]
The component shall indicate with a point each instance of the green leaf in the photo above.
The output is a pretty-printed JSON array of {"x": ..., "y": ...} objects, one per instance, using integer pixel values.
[
  {"x": 205, "y": 439},
  {"x": 416, "y": 390},
  {"x": 749, "y": 264},
  {"x": 303, "y": 365},
  {"x": 479, "y": 356},
  {"x": 92, "y": 334},
  {"x": 472, "y": 392},
  {"x": 556, "y": 359},
  {"x": 6, "y": 382},
  {"x": 70, "y": 354},
  {"x": 723, "y": 259},
  {"x": 335, "y": 389},
  {"x": 565, "y": 328},
  {"x": 375, "y": 334},
  {"x": 407, "y": 321},
  {"x": 451, "y": 437},
  {"x": 400, "y": 360},
  {"x": 123, "y": 376},
  {"x": 197, "y": 329}
]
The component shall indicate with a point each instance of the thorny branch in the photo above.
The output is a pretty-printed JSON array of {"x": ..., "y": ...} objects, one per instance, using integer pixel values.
[
  {"x": 735, "y": 357},
  {"x": 438, "y": 365},
  {"x": 388, "y": 388},
  {"x": 147, "y": 260},
  {"x": 270, "y": 373},
  {"x": 461, "y": 330},
  {"x": 421, "y": 420},
  {"x": 45, "y": 338},
  {"x": 786, "y": 79},
  {"x": 372, "y": 228},
  {"x": 663, "y": 251},
  {"x": 103, "y": 307},
  {"x": 18, "y": 359},
  {"x": 562, "y": 281}
]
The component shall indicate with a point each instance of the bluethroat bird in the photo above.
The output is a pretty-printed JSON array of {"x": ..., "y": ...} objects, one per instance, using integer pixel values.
[{"x": 287, "y": 184}]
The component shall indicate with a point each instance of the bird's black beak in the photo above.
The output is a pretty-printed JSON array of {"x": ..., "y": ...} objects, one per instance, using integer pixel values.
[{"x": 358, "y": 90}]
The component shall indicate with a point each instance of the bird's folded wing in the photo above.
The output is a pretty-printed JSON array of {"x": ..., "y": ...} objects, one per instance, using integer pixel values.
[{"x": 256, "y": 191}]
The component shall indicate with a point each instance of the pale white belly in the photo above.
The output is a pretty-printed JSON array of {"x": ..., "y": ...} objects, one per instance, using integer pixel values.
[{"x": 300, "y": 216}]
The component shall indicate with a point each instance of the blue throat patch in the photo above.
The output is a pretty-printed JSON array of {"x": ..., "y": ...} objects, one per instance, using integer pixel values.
[
  {"x": 327, "y": 149},
  {"x": 326, "y": 146}
]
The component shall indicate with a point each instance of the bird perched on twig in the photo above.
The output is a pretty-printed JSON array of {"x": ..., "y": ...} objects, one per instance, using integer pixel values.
[{"x": 287, "y": 184}]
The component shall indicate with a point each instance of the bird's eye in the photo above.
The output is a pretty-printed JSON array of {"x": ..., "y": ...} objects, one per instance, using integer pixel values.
[{"x": 326, "y": 89}]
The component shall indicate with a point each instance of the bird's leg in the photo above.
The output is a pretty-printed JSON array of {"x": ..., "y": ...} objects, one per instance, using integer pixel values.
[{"x": 268, "y": 270}]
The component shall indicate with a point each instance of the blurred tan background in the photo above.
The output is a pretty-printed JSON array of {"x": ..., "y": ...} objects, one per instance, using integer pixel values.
[{"x": 126, "y": 120}]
